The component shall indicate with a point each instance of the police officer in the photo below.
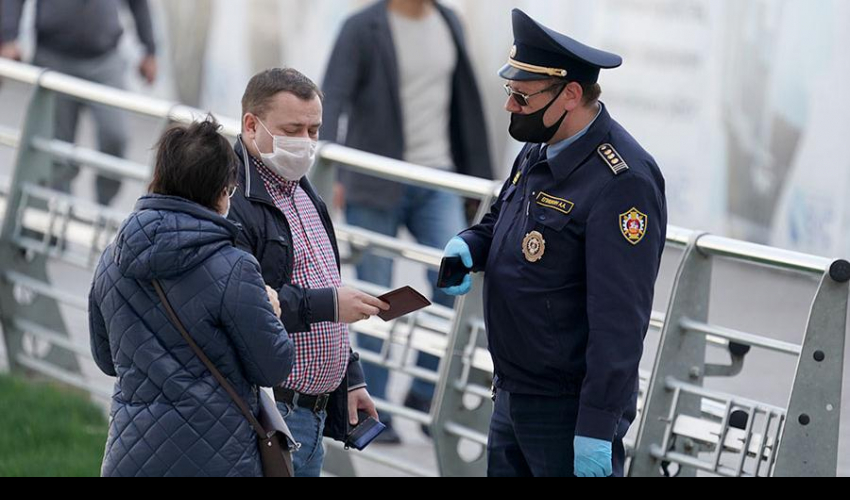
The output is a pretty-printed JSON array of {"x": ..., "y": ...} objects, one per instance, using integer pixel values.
[{"x": 571, "y": 251}]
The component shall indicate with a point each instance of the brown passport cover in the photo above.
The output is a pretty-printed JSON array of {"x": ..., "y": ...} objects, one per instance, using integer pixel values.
[{"x": 403, "y": 302}]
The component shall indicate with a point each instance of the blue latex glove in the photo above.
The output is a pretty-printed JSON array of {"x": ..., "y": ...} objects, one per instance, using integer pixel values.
[
  {"x": 457, "y": 247},
  {"x": 592, "y": 457}
]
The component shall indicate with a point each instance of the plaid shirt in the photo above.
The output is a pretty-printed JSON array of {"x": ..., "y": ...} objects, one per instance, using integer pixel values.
[{"x": 321, "y": 355}]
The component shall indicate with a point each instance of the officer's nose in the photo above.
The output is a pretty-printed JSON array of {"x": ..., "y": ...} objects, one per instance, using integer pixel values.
[{"x": 512, "y": 106}]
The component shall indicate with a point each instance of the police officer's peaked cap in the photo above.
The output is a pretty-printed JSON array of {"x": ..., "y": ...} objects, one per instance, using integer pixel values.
[{"x": 540, "y": 53}]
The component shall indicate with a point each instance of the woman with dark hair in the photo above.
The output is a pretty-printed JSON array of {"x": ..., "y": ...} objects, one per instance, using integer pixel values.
[{"x": 170, "y": 416}]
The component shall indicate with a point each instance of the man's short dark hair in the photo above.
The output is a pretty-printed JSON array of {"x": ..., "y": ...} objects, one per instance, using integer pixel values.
[
  {"x": 264, "y": 86},
  {"x": 591, "y": 92},
  {"x": 195, "y": 162}
]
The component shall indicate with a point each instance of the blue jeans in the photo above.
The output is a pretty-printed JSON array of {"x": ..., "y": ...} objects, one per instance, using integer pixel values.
[
  {"x": 434, "y": 218},
  {"x": 307, "y": 428}
]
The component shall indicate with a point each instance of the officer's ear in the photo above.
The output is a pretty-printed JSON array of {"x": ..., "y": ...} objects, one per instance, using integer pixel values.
[{"x": 572, "y": 96}]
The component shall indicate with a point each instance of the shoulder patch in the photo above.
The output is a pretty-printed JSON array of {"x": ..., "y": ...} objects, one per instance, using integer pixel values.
[
  {"x": 613, "y": 159},
  {"x": 634, "y": 224}
]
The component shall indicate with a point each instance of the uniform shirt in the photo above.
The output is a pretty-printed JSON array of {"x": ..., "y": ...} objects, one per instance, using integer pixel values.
[{"x": 573, "y": 323}]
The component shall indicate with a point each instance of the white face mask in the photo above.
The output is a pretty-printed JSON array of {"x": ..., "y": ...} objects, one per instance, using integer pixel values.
[
  {"x": 227, "y": 212},
  {"x": 292, "y": 158}
]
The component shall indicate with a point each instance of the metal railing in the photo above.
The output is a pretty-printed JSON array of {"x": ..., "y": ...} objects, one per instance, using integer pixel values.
[{"x": 680, "y": 420}]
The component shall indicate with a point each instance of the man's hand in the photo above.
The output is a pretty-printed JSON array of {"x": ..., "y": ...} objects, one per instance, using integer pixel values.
[
  {"x": 359, "y": 400},
  {"x": 355, "y": 305},
  {"x": 11, "y": 50},
  {"x": 275, "y": 300},
  {"x": 149, "y": 69}
]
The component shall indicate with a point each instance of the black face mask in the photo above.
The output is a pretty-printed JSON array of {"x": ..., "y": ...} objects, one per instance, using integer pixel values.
[{"x": 530, "y": 128}]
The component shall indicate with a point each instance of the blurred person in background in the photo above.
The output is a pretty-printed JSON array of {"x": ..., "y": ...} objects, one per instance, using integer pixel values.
[
  {"x": 80, "y": 38},
  {"x": 406, "y": 102}
]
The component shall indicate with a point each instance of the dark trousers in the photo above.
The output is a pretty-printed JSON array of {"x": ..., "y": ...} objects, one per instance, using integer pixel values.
[{"x": 532, "y": 436}]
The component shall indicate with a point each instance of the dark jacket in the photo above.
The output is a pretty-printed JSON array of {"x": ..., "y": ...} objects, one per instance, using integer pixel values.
[
  {"x": 266, "y": 234},
  {"x": 169, "y": 416},
  {"x": 78, "y": 28},
  {"x": 362, "y": 83},
  {"x": 573, "y": 323}
]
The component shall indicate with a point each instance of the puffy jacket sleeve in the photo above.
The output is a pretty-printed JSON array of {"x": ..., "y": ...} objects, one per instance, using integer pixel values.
[
  {"x": 100, "y": 350},
  {"x": 261, "y": 341}
]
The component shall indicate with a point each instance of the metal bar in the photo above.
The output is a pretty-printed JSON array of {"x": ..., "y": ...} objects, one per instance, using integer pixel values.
[
  {"x": 106, "y": 164},
  {"x": 20, "y": 72},
  {"x": 466, "y": 433},
  {"x": 64, "y": 376},
  {"x": 774, "y": 450},
  {"x": 475, "y": 390},
  {"x": 748, "y": 438},
  {"x": 364, "y": 239},
  {"x": 740, "y": 337},
  {"x": 9, "y": 137},
  {"x": 107, "y": 96},
  {"x": 404, "y": 412},
  {"x": 696, "y": 463},
  {"x": 417, "y": 373},
  {"x": 768, "y": 419},
  {"x": 52, "y": 337},
  {"x": 670, "y": 421},
  {"x": 407, "y": 173},
  {"x": 673, "y": 384},
  {"x": 46, "y": 290},
  {"x": 678, "y": 236},
  {"x": 65, "y": 256},
  {"x": 724, "y": 425},
  {"x": 760, "y": 254}
]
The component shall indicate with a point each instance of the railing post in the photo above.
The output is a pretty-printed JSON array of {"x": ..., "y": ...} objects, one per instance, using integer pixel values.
[
  {"x": 809, "y": 444},
  {"x": 680, "y": 356},
  {"x": 452, "y": 406},
  {"x": 17, "y": 303}
]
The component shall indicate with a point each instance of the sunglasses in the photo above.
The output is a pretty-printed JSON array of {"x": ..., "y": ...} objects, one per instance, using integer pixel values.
[{"x": 522, "y": 99}]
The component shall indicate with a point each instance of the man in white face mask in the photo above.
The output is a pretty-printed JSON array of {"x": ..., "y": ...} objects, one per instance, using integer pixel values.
[{"x": 286, "y": 226}]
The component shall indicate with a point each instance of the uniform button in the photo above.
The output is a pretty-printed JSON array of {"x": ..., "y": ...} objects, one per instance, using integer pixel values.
[{"x": 542, "y": 217}]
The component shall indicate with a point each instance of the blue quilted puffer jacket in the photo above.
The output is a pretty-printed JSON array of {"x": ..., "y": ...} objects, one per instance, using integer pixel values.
[{"x": 169, "y": 416}]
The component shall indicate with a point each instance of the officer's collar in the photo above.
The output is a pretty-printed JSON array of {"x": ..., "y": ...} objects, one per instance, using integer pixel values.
[
  {"x": 564, "y": 164},
  {"x": 555, "y": 149}
]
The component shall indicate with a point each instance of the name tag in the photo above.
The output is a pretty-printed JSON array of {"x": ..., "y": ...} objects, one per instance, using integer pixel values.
[{"x": 555, "y": 203}]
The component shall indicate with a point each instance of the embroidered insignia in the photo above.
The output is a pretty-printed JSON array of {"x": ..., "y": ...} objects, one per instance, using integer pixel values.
[{"x": 634, "y": 225}]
